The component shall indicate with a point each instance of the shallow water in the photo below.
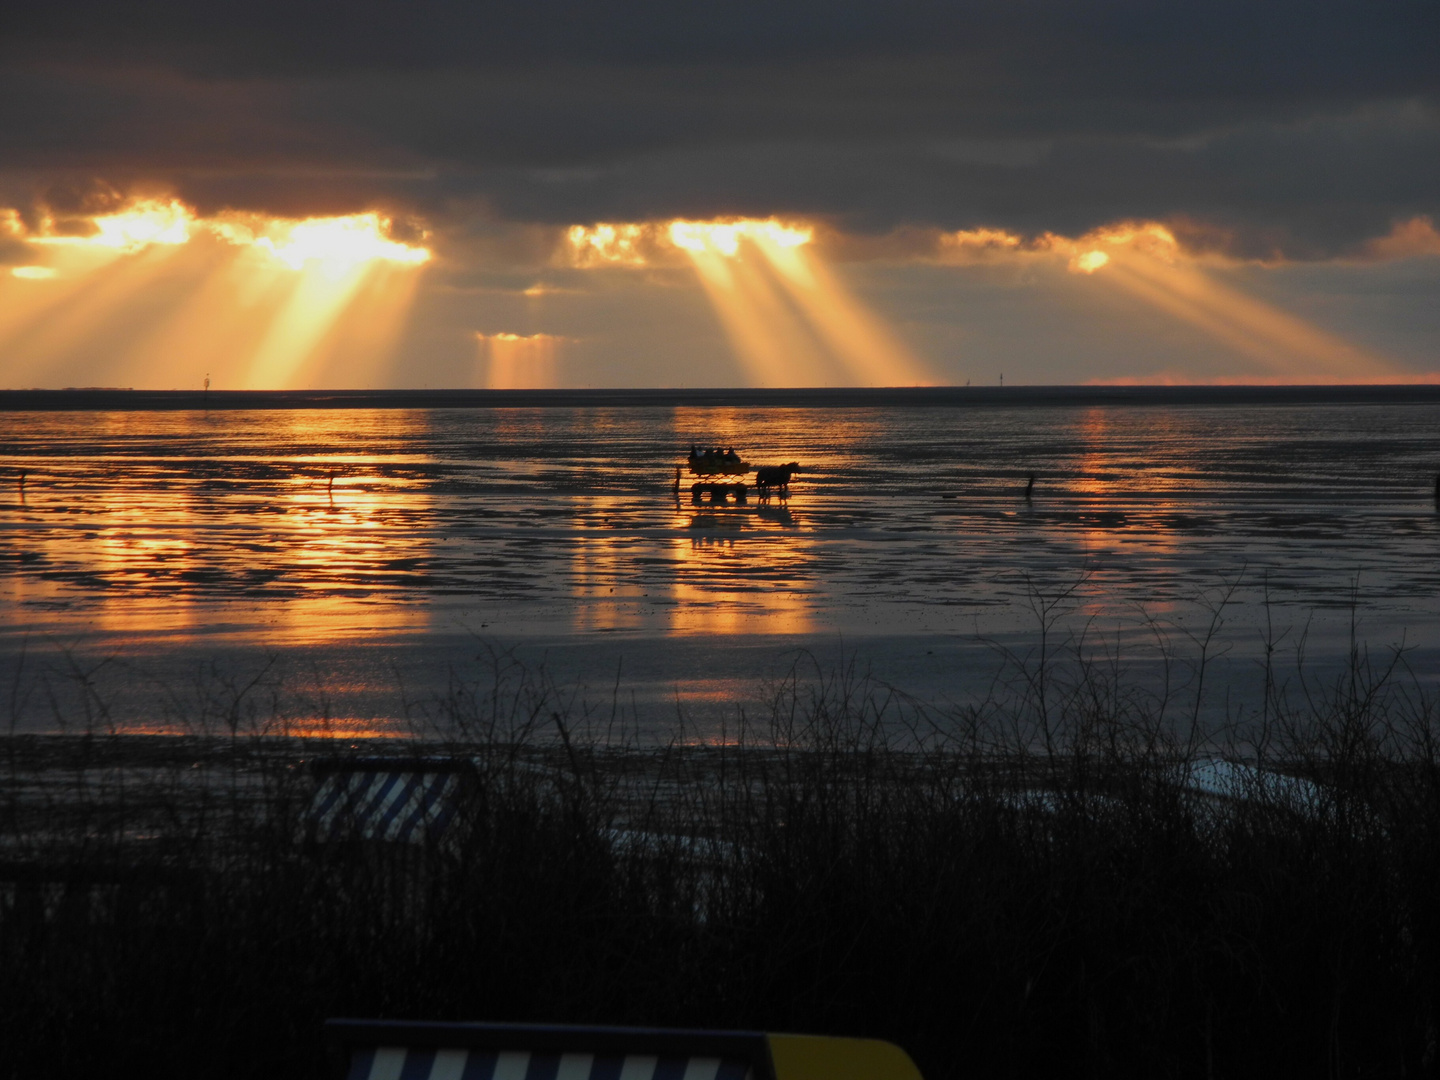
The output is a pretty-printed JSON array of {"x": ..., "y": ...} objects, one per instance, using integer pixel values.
[{"x": 161, "y": 544}]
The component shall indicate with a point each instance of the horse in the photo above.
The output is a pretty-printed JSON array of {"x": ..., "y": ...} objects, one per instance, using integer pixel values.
[{"x": 768, "y": 476}]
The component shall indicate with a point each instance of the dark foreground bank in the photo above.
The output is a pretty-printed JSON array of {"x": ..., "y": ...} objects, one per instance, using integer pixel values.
[{"x": 1055, "y": 885}]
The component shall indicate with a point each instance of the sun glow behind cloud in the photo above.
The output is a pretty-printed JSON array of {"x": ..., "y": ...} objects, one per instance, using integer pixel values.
[
  {"x": 144, "y": 222},
  {"x": 789, "y": 319},
  {"x": 265, "y": 300},
  {"x": 338, "y": 241}
]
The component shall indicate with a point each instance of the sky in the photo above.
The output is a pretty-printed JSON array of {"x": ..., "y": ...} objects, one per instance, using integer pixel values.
[{"x": 764, "y": 192}]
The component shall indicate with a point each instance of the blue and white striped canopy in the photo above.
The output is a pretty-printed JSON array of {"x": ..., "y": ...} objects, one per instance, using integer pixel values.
[
  {"x": 399, "y": 805},
  {"x": 416, "y": 1063},
  {"x": 420, "y": 1050}
]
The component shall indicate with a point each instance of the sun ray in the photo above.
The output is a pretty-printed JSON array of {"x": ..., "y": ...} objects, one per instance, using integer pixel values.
[
  {"x": 518, "y": 361},
  {"x": 1288, "y": 346},
  {"x": 870, "y": 352},
  {"x": 360, "y": 348},
  {"x": 154, "y": 292},
  {"x": 220, "y": 325},
  {"x": 789, "y": 320},
  {"x": 768, "y": 343},
  {"x": 320, "y": 296},
  {"x": 29, "y": 301},
  {"x": 86, "y": 316}
]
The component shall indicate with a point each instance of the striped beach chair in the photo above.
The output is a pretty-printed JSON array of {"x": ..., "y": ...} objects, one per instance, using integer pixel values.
[
  {"x": 398, "y": 1050},
  {"x": 397, "y": 800}
]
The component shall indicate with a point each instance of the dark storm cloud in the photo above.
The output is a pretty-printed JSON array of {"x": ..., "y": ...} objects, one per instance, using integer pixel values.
[
  {"x": 1285, "y": 127},
  {"x": 1130, "y": 46},
  {"x": 1264, "y": 189}
]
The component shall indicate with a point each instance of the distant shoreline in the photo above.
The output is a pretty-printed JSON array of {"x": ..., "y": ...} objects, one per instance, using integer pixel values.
[{"x": 107, "y": 399}]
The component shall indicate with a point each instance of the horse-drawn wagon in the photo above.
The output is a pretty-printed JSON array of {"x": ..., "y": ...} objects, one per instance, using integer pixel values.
[{"x": 721, "y": 474}]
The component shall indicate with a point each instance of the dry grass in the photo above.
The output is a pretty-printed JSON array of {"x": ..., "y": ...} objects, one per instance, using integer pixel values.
[{"x": 1033, "y": 885}]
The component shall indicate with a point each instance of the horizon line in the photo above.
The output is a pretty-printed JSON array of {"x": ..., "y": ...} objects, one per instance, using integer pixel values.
[{"x": 128, "y": 399}]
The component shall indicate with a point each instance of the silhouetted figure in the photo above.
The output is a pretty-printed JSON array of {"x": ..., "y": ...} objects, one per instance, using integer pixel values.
[
  {"x": 776, "y": 476},
  {"x": 1030, "y": 487}
]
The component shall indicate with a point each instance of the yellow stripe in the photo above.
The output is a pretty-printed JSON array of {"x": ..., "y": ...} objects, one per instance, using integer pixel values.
[{"x": 817, "y": 1057}]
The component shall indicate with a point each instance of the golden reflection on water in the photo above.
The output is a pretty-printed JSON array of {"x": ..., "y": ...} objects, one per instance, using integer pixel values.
[
  {"x": 739, "y": 577},
  {"x": 722, "y": 570},
  {"x": 164, "y": 544},
  {"x": 346, "y": 554},
  {"x": 608, "y": 592},
  {"x": 1125, "y": 494}
]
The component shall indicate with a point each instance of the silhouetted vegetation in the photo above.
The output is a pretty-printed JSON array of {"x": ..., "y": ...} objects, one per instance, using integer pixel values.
[{"x": 1064, "y": 879}]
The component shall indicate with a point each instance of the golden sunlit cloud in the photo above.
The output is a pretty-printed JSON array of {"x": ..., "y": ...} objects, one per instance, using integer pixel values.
[
  {"x": 142, "y": 223},
  {"x": 1415, "y": 237},
  {"x": 33, "y": 273},
  {"x": 966, "y": 244},
  {"x": 609, "y": 244},
  {"x": 346, "y": 240},
  {"x": 1085, "y": 254},
  {"x": 789, "y": 319},
  {"x": 1411, "y": 239},
  {"x": 518, "y": 361},
  {"x": 724, "y": 236},
  {"x": 349, "y": 240}
]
